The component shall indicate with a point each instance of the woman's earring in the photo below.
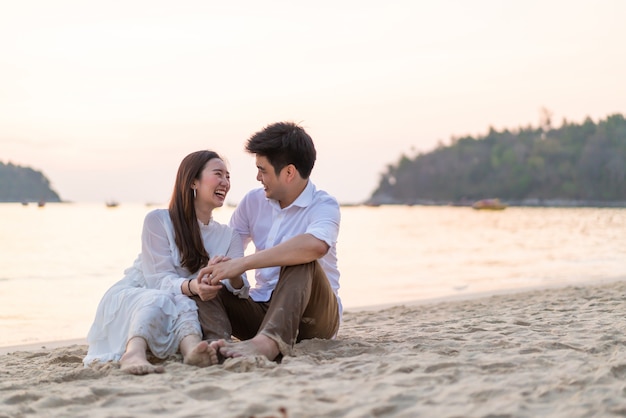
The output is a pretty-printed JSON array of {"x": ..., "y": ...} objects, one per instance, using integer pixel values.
[{"x": 194, "y": 193}]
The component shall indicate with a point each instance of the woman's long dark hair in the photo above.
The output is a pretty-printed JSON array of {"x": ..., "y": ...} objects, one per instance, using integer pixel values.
[{"x": 183, "y": 212}]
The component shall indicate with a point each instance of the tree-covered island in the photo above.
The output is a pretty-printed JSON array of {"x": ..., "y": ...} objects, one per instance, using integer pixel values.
[
  {"x": 24, "y": 184},
  {"x": 573, "y": 165}
]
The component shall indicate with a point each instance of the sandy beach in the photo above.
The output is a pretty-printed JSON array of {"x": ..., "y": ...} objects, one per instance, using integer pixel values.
[{"x": 557, "y": 352}]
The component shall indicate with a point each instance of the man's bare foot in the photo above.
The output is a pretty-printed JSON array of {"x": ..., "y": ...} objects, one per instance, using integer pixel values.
[
  {"x": 202, "y": 355},
  {"x": 260, "y": 345},
  {"x": 134, "y": 363}
]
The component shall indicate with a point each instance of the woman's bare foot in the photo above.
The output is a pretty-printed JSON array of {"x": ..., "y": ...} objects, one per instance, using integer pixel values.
[
  {"x": 134, "y": 360},
  {"x": 137, "y": 364},
  {"x": 260, "y": 345},
  {"x": 202, "y": 355}
]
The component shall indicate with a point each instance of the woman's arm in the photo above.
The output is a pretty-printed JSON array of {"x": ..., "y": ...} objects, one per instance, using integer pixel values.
[{"x": 157, "y": 260}]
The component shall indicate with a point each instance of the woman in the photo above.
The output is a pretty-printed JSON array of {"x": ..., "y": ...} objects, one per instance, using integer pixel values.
[{"x": 152, "y": 307}]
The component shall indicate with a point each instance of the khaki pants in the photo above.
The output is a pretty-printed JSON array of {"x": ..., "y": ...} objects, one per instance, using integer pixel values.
[{"x": 302, "y": 306}]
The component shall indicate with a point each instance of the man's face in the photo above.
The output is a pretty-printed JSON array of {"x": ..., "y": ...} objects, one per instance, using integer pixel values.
[{"x": 272, "y": 183}]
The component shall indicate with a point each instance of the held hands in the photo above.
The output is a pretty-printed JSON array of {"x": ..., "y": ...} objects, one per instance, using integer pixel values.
[
  {"x": 221, "y": 268},
  {"x": 208, "y": 289}
]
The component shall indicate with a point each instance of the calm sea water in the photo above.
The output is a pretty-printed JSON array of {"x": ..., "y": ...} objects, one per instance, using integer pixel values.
[{"x": 57, "y": 261}]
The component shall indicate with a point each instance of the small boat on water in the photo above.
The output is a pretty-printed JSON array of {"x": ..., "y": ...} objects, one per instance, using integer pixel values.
[
  {"x": 112, "y": 204},
  {"x": 489, "y": 204}
]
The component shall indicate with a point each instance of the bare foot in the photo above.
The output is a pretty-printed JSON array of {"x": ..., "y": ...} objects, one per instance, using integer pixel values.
[
  {"x": 202, "y": 355},
  {"x": 217, "y": 346},
  {"x": 260, "y": 345},
  {"x": 133, "y": 363}
]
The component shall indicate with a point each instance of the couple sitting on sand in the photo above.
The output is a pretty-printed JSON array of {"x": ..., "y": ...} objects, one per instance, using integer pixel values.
[{"x": 188, "y": 289}]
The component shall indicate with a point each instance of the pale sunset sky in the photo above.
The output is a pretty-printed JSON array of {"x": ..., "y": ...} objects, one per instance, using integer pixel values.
[{"x": 106, "y": 97}]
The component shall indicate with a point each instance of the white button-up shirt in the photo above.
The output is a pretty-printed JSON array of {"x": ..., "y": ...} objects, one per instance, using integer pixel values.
[{"x": 262, "y": 221}]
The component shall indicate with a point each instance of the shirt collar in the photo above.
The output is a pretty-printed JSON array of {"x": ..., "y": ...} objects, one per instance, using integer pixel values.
[{"x": 303, "y": 200}]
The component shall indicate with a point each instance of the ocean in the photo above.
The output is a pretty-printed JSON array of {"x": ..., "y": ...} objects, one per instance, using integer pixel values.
[{"x": 58, "y": 260}]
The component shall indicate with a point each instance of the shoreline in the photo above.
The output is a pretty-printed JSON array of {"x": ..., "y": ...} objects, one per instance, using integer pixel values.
[
  {"x": 45, "y": 345},
  {"x": 470, "y": 296}
]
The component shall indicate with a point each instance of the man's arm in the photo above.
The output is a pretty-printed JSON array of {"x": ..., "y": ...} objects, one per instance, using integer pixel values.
[{"x": 300, "y": 249}]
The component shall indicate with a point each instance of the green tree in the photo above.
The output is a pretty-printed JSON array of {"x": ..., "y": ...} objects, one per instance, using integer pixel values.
[
  {"x": 24, "y": 184},
  {"x": 584, "y": 162}
]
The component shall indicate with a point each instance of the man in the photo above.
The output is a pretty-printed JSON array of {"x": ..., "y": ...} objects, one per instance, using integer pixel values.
[{"x": 294, "y": 228}]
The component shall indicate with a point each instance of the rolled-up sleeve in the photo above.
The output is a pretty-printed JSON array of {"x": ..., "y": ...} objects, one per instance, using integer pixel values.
[{"x": 325, "y": 220}]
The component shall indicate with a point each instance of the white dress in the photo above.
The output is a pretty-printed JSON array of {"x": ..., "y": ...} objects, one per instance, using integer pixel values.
[{"x": 148, "y": 301}]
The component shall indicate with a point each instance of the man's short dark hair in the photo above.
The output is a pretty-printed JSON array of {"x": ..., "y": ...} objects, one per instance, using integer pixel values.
[{"x": 284, "y": 143}]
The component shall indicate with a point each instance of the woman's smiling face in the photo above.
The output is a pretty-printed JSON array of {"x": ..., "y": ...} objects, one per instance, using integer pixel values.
[{"x": 213, "y": 184}]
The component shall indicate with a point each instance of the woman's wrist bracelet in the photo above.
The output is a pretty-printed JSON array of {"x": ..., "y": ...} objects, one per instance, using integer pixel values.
[{"x": 189, "y": 288}]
